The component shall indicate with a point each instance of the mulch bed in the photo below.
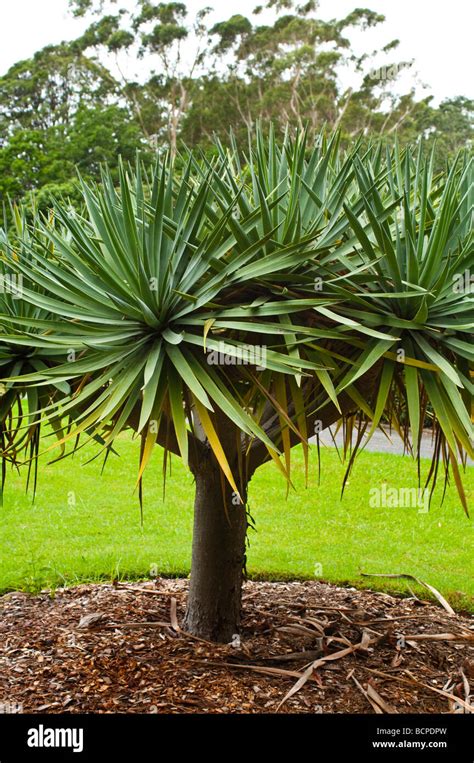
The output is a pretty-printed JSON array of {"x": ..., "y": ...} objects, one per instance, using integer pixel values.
[{"x": 119, "y": 649}]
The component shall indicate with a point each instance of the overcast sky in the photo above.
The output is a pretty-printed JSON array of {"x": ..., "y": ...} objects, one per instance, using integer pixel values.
[{"x": 436, "y": 33}]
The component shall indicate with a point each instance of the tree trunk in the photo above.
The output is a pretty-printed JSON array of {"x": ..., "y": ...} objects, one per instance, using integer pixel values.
[
  {"x": 218, "y": 556},
  {"x": 220, "y": 519}
]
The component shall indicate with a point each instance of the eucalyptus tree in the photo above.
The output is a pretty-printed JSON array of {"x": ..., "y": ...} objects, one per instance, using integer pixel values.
[
  {"x": 174, "y": 44},
  {"x": 46, "y": 90},
  {"x": 60, "y": 109},
  {"x": 230, "y": 309},
  {"x": 45, "y": 162},
  {"x": 281, "y": 62}
]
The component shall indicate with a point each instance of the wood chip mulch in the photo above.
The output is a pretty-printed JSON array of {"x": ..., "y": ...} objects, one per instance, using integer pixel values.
[{"x": 305, "y": 647}]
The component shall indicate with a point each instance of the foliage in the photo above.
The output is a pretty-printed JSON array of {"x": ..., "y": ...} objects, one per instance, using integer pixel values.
[
  {"x": 342, "y": 266},
  {"x": 46, "y": 90},
  {"x": 34, "y": 160}
]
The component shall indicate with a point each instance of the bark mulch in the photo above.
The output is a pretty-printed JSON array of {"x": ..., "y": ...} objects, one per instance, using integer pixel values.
[{"x": 305, "y": 647}]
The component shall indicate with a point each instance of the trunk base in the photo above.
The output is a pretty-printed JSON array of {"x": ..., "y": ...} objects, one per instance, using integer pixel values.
[{"x": 218, "y": 557}]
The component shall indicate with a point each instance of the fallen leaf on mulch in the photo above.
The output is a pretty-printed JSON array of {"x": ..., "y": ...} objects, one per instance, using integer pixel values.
[{"x": 89, "y": 621}]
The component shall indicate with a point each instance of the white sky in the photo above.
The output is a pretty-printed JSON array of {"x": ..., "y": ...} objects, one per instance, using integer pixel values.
[{"x": 436, "y": 33}]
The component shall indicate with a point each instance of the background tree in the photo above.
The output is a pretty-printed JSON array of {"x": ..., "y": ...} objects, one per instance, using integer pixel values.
[
  {"x": 59, "y": 110},
  {"x": 154, "y": 75},
  {"x": 205, "y": 78},
  {"x": 46, "y": 90},
  {"x": 157, "y": 32}
]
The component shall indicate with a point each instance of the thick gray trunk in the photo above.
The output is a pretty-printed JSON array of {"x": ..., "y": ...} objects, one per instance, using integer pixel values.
[{"x": 218, "y": 557}]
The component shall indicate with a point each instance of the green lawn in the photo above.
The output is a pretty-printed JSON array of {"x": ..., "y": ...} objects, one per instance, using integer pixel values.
[{"x": 86, "y": 527}]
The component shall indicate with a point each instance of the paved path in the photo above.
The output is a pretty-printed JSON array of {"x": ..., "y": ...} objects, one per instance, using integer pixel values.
[{"x": 381, "y": 444}]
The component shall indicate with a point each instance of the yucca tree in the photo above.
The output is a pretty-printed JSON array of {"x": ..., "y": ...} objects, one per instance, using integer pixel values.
[
  {"x": 235, "y": 308},
  {"x": 18, "y": 434}
]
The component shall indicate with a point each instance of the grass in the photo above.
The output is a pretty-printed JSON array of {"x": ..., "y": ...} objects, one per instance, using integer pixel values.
[{"x": 86, "y": 527}]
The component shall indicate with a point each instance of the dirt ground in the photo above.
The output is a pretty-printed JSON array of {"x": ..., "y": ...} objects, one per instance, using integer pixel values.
[{"x": 119, "y": 649}]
